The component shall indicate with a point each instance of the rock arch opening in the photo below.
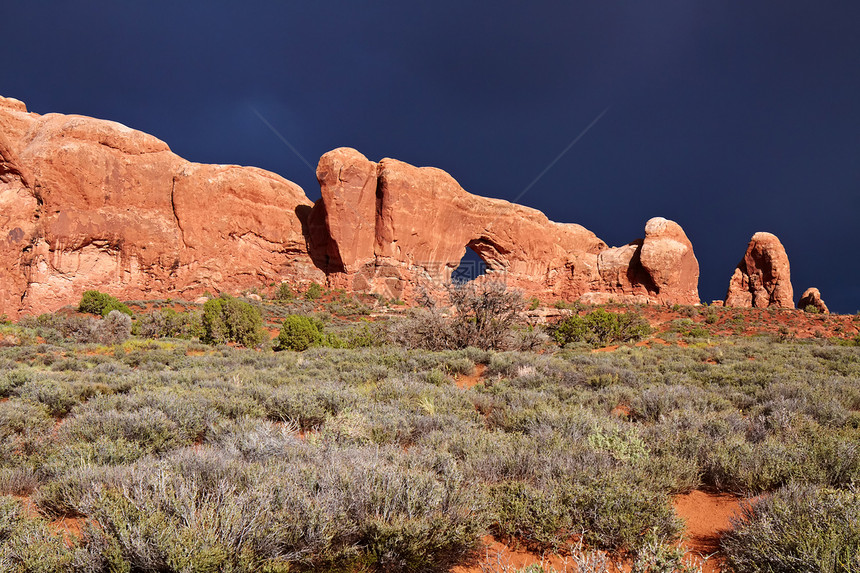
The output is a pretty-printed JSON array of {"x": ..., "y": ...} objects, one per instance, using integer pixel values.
[{"x": 471, "y": 267}]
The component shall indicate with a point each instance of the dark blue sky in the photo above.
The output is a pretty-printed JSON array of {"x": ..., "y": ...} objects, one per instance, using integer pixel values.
[{"x": 729, "y": 117}]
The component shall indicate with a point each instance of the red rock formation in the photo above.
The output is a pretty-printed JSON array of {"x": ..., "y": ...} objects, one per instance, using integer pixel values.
[
  {"x": 94, "y": 204},
  {"x": 348, "y": 183},
  {"x": 763, "y": 277},
  {"x": 425, "y": 221},
  {"x": 811, "y": 297}
]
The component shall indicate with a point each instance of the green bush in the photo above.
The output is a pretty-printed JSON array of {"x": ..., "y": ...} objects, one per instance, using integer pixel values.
[
  {"x": 227, "y": 319},
  {"x": 99, "y": 303},
  {"x": 798, "y": 528},
  {"x": 314, "y": 291},
  {"x": 299, "y": 333},
  {"x": 600, "y": 328},
  {"x": 284, "y": 292}
]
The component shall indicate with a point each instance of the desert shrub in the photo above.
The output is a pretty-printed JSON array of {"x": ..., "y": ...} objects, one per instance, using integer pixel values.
[
  {"x": 314, "y": 292},
  {"x": 62, "y": 496},
  {"x": 600, "y": 328},
  {"x": 115, "y": 328},
  {"x": 226, "y": 319},
  {"x": 422, "y": 328},
  {"x": 363, "y": 336},
  {"x": 526, "y": 513},
  {"x": 20, "y": 480},
  {"x": 798, "y": 528},
  {"x": 485, "y": 316},
  {"x": 168, "y": 323},
  {"x": 150, "y": 429},
  {"x": 657, "y": 556},
  {"x": 28, "y": 545},
  {"x": 99, "y": 303},
  {"x": 688, "y": 328},
  {"x": 486, "y": 312},
  {"x": 23, "y": 427},
  {"x": 607, "y": 513},
  {"x": 284, "y": 292},
  {"x": 57, "y": 396},
  {"x": 10, "y": 380},
  {"x": 307, "y": 406},
  {"x": 331, "y": 510},
  {"x": 82, "y": 329},
  {"x": 348, "y": 306},
  {"x": 299, "y": 333}
]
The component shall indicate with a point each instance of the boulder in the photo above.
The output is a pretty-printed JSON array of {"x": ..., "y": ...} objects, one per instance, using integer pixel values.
[
  {"x": 763, "y": 277},
  {"x": 811, "y": 298}
]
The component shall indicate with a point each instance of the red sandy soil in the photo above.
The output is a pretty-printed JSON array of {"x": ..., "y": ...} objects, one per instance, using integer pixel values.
[
  {"x": 478, "y": 375},
  {"x": 68, "y": 527},
  {"x": 28, "y": 505},
  {"x": 706, "y": 515},
  {"x": 498, "y": 556}
]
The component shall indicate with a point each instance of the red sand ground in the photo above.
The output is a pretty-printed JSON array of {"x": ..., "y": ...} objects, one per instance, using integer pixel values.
[
  {"x": 707, "y": 516},
  {"x": 478, "y": 375}
]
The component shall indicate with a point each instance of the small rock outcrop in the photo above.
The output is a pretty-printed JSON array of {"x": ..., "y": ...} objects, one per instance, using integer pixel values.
[
  {"x": 87, "y": 203},
  {"x": 811, "y": 298},
  {"x": 763, "y": 277}
]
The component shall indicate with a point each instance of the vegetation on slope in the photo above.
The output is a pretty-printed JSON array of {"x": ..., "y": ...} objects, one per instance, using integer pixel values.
[{"x": 172, "y": 455}]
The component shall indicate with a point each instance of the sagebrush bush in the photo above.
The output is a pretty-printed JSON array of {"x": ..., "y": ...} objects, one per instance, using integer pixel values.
[
  {"x": 115, "y": 328},
  {"x": 485, "y": 318},
  {"x": 168, "y": 323},
  {"x": 227, "y": 319},
  {"x": 798, "y": 528}
]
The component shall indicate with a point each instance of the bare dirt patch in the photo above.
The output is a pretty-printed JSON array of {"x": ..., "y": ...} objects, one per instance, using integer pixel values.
[
  {"x": 478, "y": 375},
  {"x": 707, "y": 517},
  {"x": 498, "y": 556},
  {"x": 69, "y": 528}
]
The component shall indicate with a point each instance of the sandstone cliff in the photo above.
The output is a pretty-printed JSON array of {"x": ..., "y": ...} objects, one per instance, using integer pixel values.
[
  {"x": 393, "y": 228},
  {"x": 93, "y": 204},
  {"x": 88, "y": 203}
]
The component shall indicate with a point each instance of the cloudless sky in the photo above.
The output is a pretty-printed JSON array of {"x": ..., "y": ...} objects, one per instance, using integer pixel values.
[{"x": 728, "y": 117}]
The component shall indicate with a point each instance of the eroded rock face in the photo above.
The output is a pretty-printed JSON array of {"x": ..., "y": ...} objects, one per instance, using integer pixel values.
[
  {"x": 811, "y": 297},
  {"x": 424, "y": 221},
  {"x": 94, "y": 204},
  {"x": 348, "y": 183},
  {"x": 763, "y": 277},
  {"x": 88, "y": 204}
]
